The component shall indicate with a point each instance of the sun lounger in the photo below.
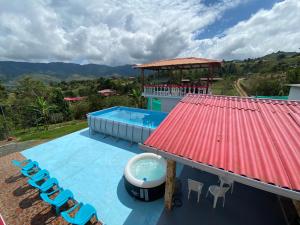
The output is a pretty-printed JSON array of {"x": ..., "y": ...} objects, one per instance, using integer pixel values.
[
  {"x": 46, "y": 186},
  {"x": 82, "y": 216},
  {"x": 21, "y": 164},
  {"x": 39, "y": 176},
  {"x": 30, "y": 168},
  {"x": 62, "y": 198}
]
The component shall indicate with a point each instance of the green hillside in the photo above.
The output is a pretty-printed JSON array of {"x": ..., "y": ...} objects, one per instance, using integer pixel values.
[{"x": 58, "y": 71}]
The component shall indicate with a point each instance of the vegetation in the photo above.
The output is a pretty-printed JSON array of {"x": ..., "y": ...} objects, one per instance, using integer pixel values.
[
  {"x": 53, "y": 131},
  {"x": 59, "y": 71},
  {"x": 33, "y": 107},
  {"x": 36, "y": 109},
  {"x": 271, "y": 84},
  {"x": 225, "y": 86},
  {"x": 137, "y": 97}
]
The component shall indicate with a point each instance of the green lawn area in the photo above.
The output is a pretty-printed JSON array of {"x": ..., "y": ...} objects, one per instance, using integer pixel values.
[
  {"x": 224, "y": 88},
  {"x": 54, "y": 131}
]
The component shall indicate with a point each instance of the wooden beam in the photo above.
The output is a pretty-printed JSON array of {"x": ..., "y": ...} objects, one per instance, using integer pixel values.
[
  {"x": 297, "y": 206},
  {"x": 170, "y": 183}
]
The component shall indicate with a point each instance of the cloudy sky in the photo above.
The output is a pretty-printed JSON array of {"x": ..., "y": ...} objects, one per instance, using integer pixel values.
[{"x": 116, "y": 32}]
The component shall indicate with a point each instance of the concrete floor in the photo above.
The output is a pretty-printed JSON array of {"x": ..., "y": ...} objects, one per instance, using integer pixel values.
[
  {"x": 92, "y": 168},
  {"x": 246, "y": 206}
]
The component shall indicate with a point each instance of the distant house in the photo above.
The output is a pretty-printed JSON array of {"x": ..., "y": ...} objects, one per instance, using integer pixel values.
[
  {"x": 107, "y": 92},
  {"x": 294, "y": 93},
  {"x": 74, "y": 99}
]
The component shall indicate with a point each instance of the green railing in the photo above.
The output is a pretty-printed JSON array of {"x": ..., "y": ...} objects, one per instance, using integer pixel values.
[{"x": 273, "y": 97}]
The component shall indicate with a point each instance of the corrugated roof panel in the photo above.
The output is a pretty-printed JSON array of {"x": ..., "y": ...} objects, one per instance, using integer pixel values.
[
  {"x": 256, "y": 138},
  {"x": 179, "y": 61}
]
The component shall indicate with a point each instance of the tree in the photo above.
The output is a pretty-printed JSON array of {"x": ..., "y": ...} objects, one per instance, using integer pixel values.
[
  {"x": 293, "y": 76},
  {"x": 80, "y": 109},
  {"x": 42, "y": 110},
  {"x": 95, "y": 102},
  {"x": 30, "y": 88},
  {"x": 138, "y": 99},
  {"x": 61, "y": 106},
  {"x": 3, "y": 93},
  {"x": 3, "y": 119}
]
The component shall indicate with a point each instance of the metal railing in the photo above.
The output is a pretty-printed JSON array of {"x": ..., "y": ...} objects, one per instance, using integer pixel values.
[{"x": 173, "y": 90}]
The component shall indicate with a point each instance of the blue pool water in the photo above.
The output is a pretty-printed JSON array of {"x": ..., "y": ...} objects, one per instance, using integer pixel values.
[
  {"x": 148, "y": 169},
  {"x": 92, "y": 168},
  {"x": 135, "y": 116}
]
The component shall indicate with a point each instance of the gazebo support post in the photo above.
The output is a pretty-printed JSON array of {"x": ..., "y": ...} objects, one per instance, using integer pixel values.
[
  {"x": 210, "y": 71},
  {"x": 143, "y": 79},
  {"x": 181, "y": 75},
  {"x": 170, "y": 183}
]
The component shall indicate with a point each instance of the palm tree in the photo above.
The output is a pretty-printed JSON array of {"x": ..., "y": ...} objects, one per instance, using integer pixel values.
[
  {"x": 43, "y": 109},
  {"x": 137, "y": 97}
]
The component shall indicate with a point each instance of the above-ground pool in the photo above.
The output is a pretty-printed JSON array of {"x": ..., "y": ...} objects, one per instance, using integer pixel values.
[
  {"x": 131, "y": 124},
  {"x": 145, "y": 176}
]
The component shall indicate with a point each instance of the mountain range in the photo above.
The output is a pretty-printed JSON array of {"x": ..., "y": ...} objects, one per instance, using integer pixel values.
[{"x": 11, "y": 71}]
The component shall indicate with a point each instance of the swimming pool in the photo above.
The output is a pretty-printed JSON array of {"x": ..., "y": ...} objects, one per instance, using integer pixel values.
[{"x": 127, "y": 123}]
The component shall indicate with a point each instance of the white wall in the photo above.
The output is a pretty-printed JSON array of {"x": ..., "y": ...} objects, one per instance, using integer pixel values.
[
  {"x": 294, "y": 93},
  {"x": 167, "y": 104}
]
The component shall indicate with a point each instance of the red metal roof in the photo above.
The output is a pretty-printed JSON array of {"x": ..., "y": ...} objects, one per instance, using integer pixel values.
[
  {"x": 256, "y": 138},
  {"x": 179, "y": 61},
  {"x": 74, "y": 99},
  {"x": 1, "y": 220}
]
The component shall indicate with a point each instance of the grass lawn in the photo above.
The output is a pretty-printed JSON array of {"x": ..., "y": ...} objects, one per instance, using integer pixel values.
[
  {"x": 54, "y": 131},
  {"x": 223, "y": 88}
]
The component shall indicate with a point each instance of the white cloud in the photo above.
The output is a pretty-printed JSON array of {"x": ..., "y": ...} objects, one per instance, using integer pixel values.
[
  {"x": 134, "y": 31},
  {"x": 265, "y": 32},
  {"x": 107, "y": 31}
]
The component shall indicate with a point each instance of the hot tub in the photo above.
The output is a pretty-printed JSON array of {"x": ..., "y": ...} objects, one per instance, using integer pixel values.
[
  {"x": 145, "y": 176},
  {"x": 127, "y": 123}
]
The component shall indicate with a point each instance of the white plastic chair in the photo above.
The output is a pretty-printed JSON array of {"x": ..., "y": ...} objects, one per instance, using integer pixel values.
[
  {"x": 226, "y": 180},
  {"x": 217, "y": 192},
  {"x": 195, "y": 186}
]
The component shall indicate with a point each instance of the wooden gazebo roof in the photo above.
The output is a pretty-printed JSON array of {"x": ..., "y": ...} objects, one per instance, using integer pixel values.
[{"x": 179, "y": 63}]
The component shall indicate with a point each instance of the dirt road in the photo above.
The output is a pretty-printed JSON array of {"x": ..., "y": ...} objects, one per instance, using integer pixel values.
[{"x": 240, "y": 89}]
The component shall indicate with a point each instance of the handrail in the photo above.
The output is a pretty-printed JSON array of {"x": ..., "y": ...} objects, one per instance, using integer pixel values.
[
  {"x": 174, "y": 85},
  {"x": 173, "y": 90}
]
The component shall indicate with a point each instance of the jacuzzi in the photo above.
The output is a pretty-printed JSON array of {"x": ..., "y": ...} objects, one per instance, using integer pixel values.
[
  {"x": 131, "y": 124},
  {"x": 145, "y": 175}
]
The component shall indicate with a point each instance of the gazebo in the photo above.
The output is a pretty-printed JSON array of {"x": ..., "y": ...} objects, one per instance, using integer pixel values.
[
  {"x": 170, "y": 94},
  {"x": 180, "y": 64}
]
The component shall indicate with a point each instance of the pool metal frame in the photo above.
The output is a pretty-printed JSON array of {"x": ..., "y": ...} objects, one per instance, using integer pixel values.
[{"x": 130, "y": 132}]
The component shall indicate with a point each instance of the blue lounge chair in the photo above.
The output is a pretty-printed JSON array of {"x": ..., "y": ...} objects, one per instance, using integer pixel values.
[
  {"x": 31, "y": 172},
  {"x": 82, "y": 216},
  {"x": 39, "y": 176},
  {"x": 62, "y": 198},
  {"x": 30, "y": 168},
  {"x": 21, "y": 164},
  {"x": 46, "y": 186}
]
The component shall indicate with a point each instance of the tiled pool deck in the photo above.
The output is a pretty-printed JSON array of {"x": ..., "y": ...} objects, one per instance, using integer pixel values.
[{"x": 92, "y": 167}]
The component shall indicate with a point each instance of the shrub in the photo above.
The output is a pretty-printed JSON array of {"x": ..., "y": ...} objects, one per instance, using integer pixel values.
[{"x": 80, "y": 109}]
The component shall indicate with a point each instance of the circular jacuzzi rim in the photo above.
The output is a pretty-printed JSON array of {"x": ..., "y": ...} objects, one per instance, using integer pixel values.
[{"x": 141, "y": 183}]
